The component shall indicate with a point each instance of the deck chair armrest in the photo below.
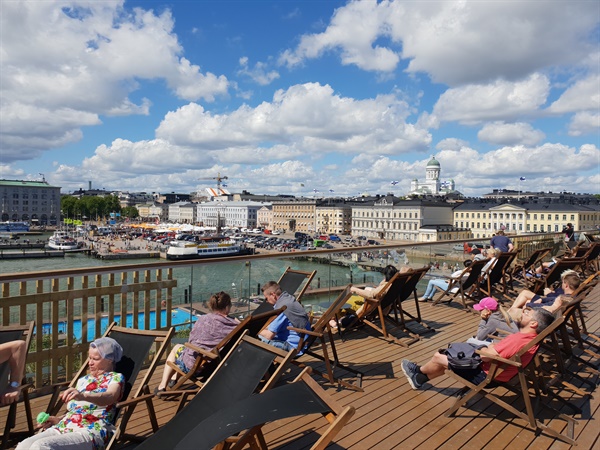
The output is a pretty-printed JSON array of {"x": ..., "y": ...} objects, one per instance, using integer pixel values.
[
  {"x": 135, "y": 401},
  {"x": 208, "y": 353},
  {"x": 303, "y": 331},
  {"x": 499, "y": 359}
]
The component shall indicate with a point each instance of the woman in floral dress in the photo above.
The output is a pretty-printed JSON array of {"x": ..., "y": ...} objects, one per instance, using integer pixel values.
[{"x": 88, "y": 423}]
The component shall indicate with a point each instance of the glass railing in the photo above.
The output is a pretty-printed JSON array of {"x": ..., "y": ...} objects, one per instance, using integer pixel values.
[{"x": 73, "y": 306}]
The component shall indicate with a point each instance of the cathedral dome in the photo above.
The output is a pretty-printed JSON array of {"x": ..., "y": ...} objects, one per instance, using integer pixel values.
[{"x": 433, "y": 162}]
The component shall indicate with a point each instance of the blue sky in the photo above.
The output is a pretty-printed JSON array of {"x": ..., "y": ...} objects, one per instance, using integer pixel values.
[{"x": 290, "y": 96}]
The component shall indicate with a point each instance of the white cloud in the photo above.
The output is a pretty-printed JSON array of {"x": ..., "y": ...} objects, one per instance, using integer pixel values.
[
  {"x": 455, "y": 42},
  {"x": 584, "y": 123},
  {"x": 309, "y": 116},
  {"x": 501, "y": 133},
  {"x": 583, "y": 95},
  {"x": 259, "y": 73},
  {"x": 96, "y": 56},
  {"x": 501, "y": 100}
]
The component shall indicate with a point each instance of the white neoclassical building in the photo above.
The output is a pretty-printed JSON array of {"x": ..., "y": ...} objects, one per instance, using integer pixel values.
[{"x": 432, "y": 184}]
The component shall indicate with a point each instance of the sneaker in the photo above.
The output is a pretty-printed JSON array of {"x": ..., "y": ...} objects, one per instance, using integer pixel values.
[{"x": 411, "y": 370}]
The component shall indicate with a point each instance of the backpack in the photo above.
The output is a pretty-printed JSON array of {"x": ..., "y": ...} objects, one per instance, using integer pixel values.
[{"x": 462, "y": 356}]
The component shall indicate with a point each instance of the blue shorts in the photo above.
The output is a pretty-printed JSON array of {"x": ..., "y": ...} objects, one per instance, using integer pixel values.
[
  {"x": 179, "y": 360},
  {"x": 475, "y": 376}
]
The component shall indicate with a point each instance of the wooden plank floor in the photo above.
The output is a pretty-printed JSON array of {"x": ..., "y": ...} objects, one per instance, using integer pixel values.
[{"x": 389, "y": 414}]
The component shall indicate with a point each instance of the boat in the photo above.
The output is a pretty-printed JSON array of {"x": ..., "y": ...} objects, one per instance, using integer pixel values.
[
  {"x": 14, "y": 227},
  {"x": 206, "y": 247},
  {"x": 61, "y": 240}
]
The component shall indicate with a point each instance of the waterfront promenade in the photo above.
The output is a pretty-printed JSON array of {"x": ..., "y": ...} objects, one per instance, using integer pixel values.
[{"x": 389, "y": 414}]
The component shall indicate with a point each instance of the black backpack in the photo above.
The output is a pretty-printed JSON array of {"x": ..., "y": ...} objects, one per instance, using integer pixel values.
[{"x": 462, "y": 356}]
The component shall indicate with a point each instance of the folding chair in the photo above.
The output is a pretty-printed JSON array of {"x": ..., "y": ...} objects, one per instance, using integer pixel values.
[
  {"x": 137, "y": 345},
  {"x": 321, "y": 330},
  {"x": 295, "y": 282},
  {"x": 207, "y": 360},
  {"x": 499, "y": 273},
  {"x": 467, "y": 287},
  {"x": 547, "y": 280},
  {"x": 522, "y": 388},
  {"x": 410, "y": 289},
  {"x": 303, "y": 396},
  {"x": 236, "y": 378},
  {"x": 591, "y": 258},
  {"x": 522, "y": 269},
  {"x": 7, "y": 334}
]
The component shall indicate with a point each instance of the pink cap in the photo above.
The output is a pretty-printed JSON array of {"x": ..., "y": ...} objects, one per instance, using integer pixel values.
[{"x": 486, "y": 303}]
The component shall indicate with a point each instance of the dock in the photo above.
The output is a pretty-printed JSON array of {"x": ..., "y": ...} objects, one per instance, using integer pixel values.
[{"x": 28, "y": 254}]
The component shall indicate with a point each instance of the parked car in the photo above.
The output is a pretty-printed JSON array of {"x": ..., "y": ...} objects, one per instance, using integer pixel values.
[{"x": 334, "y": 238}]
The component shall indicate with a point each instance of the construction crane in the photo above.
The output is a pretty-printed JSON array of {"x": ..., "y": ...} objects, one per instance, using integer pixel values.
[{"x": 219, "y": 179}]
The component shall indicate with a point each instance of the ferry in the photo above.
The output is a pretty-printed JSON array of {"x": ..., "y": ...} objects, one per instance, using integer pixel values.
[
  {"x": 206, "y": 247},
  {"x": 61, "y": 240},
  {"x": 14, "y": 227}
]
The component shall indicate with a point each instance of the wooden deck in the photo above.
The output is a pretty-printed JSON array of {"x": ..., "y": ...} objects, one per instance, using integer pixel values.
[{"x": 389, "y": 414}]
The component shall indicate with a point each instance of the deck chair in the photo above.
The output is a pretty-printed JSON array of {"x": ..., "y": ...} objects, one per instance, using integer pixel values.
[
  {"x": 522, "y": 268},
  {"x": 591, "y": 258},
  {"x": 207, "y": 360},
  {"x": 467, "y": 285},
  {"x": 522, "y": 389},
  {"x": 137, "y": 345},
  {"x": 236, "y": 378},
  {"x": 303, "y": 396},
  {"x": 499, "y": 273},
  {"x": 548, "y": 279},
  {"x": 410, "y": 290},
  {"x": 375, "y": 309},
  {"x": 295, "y": 282},
  {"x": 7, "y": 334},
  {"x": 321, "y": 330}
]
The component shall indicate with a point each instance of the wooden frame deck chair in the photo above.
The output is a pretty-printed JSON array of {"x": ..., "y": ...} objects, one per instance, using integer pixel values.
[
  {"x": 7, "y": 334},
  {"x": 295, "y": 282},
  {"x": 499, "y": 274},
  {"x": 466, "y": 287},
  {"x": 523, "y": 268},
  {"x": 321, "y": 330},
  {"x": 302, "y": 397},
  {"x": 236, "y": 378},
  {"x": 548, "y": 279},
  {"x": 137, "y": 346},
  {"x": 207, "y": 360},
  {"x": 591, "y": 258},
  {"x": 521, "y": 388},
  {"x": 410, "y": 289},
  {"x": 376, "y": 309}
]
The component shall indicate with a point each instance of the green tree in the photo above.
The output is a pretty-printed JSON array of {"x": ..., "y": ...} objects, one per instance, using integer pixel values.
[{"x": 130, "y": 211}]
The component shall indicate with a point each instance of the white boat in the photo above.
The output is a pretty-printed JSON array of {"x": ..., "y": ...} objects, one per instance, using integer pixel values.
[
  {"x": 216, "y": 247},
  {"x": 61, "y": 240}
]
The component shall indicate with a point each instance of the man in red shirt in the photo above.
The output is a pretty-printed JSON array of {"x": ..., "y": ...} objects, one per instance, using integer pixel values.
[{"x": 533, "y": 322}]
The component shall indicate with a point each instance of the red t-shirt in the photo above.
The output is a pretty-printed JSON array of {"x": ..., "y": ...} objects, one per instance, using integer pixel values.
[{"x": 507, "y": 348}]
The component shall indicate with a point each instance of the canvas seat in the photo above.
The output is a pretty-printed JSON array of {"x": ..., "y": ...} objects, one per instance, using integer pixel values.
[
  {"x": 527, "y": 267},
  {"x": 498, "y": 274},
  {"x": 207, "y": 360},
  {"x": 553, "y": 276},
  {"x": 7, "y": 334},
  {"x": 467, "y": 285},
  {"x": 321, "y": 331},
  {"x": 243, "y": 370},
  {"x": 295, "y": 282},
  {"x": 302, "y": 397},
  {"x": 137, "y": 345}
]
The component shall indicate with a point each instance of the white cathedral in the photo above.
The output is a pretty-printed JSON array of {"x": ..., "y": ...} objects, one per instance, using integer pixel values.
[{"x": 432, "y": 184}]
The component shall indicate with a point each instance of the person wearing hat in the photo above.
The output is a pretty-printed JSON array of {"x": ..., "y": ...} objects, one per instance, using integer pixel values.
[
  {"x": 91, "y": 409},
  {"x": 476, "y": 254},
  {"x": 492, "y": 320}
]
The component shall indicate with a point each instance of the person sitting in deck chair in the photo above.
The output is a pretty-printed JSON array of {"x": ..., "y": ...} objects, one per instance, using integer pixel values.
[
  {"x": 15, "y": 353},
  {"x": 208, "y": 331},
  {"x": 492, "y": 320},
  {"x": 533, "y": 322},
  {"x": 277, "y": 333},
  {"x": 552, "y": 299},
  {"x": 443, "y": 283}
]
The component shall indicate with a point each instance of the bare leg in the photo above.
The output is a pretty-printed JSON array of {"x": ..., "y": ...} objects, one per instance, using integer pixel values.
[
  {"x": 168, "y": 372},
  {"x": 525, "y": 296},
  {"x": 15, "y": 353},
  {"x": 436, "y": 366}
]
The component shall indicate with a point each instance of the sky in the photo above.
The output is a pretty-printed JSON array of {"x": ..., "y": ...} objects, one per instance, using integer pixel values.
[{"x": 309, "y": 98}]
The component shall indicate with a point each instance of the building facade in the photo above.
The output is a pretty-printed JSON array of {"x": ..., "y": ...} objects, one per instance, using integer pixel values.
[
  {"x": 230, "y": 214},
  {"x": 36, "y": 202},
  {"x": 264, "y": 217},
  {"x": 295, "y": 215},
  {"x": 334, "y": 218}
]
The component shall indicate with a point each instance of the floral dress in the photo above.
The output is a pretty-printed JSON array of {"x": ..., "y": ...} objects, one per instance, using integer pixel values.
[{"x": 97, "y": 420}]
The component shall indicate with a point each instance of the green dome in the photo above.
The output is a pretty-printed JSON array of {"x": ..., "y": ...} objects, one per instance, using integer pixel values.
[{"x": 433, "y": 162}]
